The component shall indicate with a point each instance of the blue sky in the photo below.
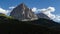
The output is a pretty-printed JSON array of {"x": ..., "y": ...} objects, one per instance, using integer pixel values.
[
  {"x": 5, "y": 4},
  {"x": 40, "y": 4}
]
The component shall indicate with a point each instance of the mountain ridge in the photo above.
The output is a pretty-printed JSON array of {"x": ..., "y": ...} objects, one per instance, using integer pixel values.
[
  {"x": 42, "y": 15},
  {"x": 23, "y": 13}
]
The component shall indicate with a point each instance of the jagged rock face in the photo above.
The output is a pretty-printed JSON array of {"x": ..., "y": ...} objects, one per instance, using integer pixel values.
[
  {"x": 41, "y": 15},
  {"x": 22, "y": 12}
]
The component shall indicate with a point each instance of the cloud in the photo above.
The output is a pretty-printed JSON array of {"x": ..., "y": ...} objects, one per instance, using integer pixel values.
[
  {"x": 51, "y": 9},
  {"x": 57, "y": 18},
  {"x": 12, "y": 7},
  {"x": 34, "y": 9},
  {"x": 48, "y": 11},
  {"x": 4, "y": 11}
]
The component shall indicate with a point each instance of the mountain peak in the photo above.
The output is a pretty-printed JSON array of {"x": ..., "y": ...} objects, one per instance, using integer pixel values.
[
  {"x": 22, "y": 12},
  {"x": 22, "y": 6}
]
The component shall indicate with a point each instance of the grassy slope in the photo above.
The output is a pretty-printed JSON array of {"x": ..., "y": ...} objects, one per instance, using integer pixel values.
[{"x": 7, "y": 24}]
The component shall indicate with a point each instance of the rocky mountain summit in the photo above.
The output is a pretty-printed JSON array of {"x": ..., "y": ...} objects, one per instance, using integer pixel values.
[{"x": 22, "y": 12}]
